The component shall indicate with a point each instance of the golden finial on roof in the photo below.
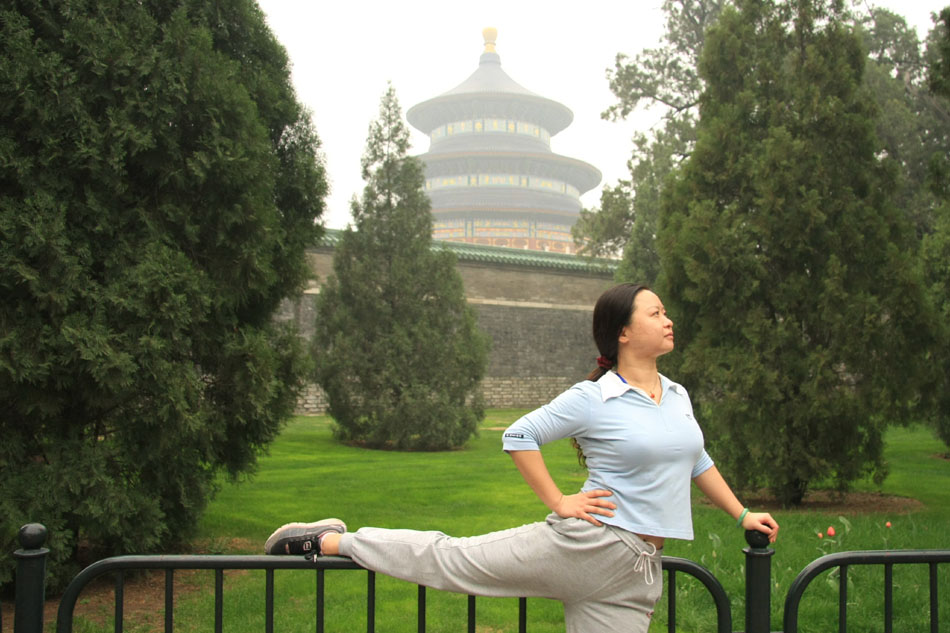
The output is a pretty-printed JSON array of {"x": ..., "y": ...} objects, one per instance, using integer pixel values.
[{"x": 490, "y": 34}]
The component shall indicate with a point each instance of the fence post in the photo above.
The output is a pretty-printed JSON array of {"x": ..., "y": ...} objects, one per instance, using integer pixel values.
[
  {"x": 758, "y": 582},
  {"x": 30, "y": 579}
]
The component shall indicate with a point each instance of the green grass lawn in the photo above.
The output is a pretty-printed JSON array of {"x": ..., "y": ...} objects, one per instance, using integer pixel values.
[{"x": 307, "y": 476}]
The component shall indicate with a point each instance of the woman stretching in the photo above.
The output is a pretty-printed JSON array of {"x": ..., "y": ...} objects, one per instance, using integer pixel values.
[{"x": 598, "y": 551}]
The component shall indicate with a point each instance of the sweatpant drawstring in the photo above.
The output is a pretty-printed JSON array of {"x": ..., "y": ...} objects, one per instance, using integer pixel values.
[{"x": 643, "y": 563}]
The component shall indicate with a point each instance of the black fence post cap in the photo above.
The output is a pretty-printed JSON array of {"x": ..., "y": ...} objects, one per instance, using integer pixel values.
[
  {"x": 32, "y": 536},
  {"x": 756, "y": 539}
]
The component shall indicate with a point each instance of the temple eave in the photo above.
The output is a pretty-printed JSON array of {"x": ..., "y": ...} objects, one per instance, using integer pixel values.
[
  {"x": 428, "y": 115},
  {"x": 578, "y": 173}
]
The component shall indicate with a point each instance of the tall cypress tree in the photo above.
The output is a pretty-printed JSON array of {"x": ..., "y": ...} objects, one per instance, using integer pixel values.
[
  {"x": 801, "y": 318},
  {"x": 159, "y": 184},
  {"x": 398, "y": 352},
  {"x": 935, "y": 248}
]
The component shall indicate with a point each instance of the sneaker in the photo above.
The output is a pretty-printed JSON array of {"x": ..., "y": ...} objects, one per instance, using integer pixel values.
[{"x": 301, "y": 538}]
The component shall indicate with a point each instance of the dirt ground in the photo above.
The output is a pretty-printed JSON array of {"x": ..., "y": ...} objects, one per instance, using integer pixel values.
[
  {"x": 144, "y": 593},
  {"x": 848, "y": 503}
]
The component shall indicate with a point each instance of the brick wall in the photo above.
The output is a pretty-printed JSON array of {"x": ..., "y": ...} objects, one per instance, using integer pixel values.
[{"x": 537, "y": 343}]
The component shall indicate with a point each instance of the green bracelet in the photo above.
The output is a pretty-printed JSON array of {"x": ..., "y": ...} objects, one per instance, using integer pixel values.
[{"x": 745, "y": 511}]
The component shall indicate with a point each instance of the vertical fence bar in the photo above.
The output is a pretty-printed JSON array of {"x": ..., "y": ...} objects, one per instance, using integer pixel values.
[
  {"x": 888, "y": 598},
  {"x": 671, "y": 601},
  {"x": 843, "y": 600},
  {"x": 30, "y": 579},
  {"x": 218, "y": 600},
  {"x": 269, "y": 600},
  {"x": 421, "y": 609},
  {"x": 758, "y": 582},
  {"x": 371, "y": 602},
  {"x": 471, "y": 614},
  {"x": 933, "y": 599},
  {"x": 522, "y": 615},
  {"x": 169, "y": 600},
  {"x": 119, "y": 607},
  {"x": 321, "y": 603}
]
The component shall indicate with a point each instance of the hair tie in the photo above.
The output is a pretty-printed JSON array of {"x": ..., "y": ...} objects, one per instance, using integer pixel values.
[{"x": 604, "y": 363}]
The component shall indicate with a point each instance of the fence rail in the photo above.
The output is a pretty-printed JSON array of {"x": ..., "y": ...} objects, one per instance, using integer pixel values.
[
  {"x": 31, "y": 575},
  {"x": 844, "y": 560},
  {"x": 31, "y": 571},
  {"x": 672, "y": 565},
  {"x": 216, "y": 563}
]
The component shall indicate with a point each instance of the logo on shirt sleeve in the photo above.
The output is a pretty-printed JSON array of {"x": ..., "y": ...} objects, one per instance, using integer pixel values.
[{"x": 517, "y": 436}]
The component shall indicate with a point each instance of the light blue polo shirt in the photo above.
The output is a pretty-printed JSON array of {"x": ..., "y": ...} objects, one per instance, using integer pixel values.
[{"x": 645, "y": 453}]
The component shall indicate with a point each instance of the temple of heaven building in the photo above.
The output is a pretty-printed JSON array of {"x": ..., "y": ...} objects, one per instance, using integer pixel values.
[{"x": 490, "y": 172}]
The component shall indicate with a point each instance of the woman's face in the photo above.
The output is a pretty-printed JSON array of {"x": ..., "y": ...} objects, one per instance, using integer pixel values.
[{"x": 650, "y": 331}]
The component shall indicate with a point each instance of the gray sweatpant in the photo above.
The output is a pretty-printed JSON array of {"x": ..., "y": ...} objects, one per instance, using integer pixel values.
[{"x": 608, "y": 579}]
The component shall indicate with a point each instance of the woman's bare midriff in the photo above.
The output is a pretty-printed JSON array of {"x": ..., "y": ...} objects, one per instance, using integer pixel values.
[{"x": 654, "y": 540}]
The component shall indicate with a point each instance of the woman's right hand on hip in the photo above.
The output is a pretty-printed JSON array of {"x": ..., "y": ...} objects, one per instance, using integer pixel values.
[{"x": 584, "y": 505}]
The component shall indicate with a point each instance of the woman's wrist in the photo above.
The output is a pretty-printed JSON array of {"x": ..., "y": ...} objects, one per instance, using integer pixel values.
[{"x": 557, "y": 502}]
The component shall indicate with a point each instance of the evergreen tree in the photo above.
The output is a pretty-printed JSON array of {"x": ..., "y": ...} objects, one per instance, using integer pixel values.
[
  {"x": 802, "y": 321},
  {"x": 666, "y": 78},
  {"x": 159, "y": 184},
  {"x": 913, "y": 123},
  {"x": 398, "y": 352},
  {"x": 935, "y": 248}
]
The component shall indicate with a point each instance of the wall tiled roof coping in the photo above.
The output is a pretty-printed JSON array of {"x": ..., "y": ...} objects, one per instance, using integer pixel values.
[{"x": 510, "y": 256}]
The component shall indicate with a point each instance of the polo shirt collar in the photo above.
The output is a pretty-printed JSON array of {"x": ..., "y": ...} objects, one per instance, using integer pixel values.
[{"x": 611, "y": 386}]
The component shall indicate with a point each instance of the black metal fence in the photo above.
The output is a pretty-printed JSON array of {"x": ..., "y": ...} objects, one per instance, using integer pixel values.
[
  {"x": 844, "y": 560},
  {"x": 269, "y": 564},
  {"x": 31, "y": 575},
  {"x": 31, "y": 570}
]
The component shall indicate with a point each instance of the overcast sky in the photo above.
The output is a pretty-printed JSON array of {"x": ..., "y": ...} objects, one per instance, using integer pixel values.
[{"x": 344, "y": 52}]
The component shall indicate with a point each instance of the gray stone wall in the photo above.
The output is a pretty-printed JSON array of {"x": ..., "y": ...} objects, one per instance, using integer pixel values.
[
  {"x": 313, "y": 401},
  {"x": 528, "y": 392},
  {"x": 526, "y": 285},
  {"x": 533, "y": 342},
  {"x": 301, "y": 312}
]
